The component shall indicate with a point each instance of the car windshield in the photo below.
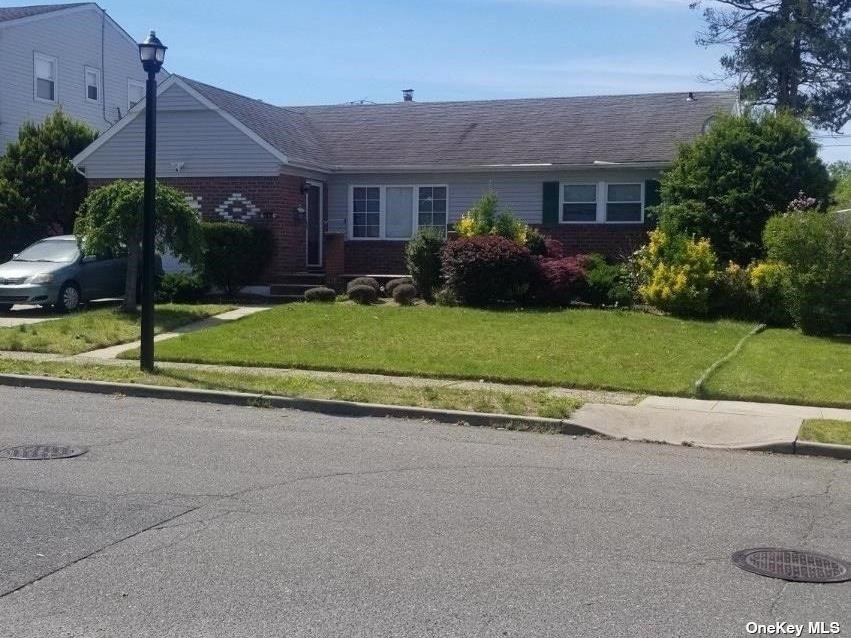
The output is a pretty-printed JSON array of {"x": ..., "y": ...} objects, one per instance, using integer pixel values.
[{"x": 57, "y": 250}]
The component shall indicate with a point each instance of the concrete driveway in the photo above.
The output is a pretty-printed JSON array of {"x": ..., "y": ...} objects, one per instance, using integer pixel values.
[
  {"x": 21, "y": 315},
  {"x": 196, "y": 520}
]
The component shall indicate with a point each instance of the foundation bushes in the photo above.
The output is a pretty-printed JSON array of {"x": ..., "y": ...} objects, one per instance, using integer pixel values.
[{"x": 487, "y": 270}]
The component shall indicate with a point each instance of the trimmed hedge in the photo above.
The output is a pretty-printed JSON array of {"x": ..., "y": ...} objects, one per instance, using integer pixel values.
[
  {"x": 363, "y": 294},
  {"x": 404, "y": 294},
  {"x": 320, "y": 294},
  {"x": 364, "y": 281},
  {"x": 487, "y": 270},
  {"x": 423, "y": 260},
  {"x": 235, "y": 254},
  {"x": 390, "y": 286}
]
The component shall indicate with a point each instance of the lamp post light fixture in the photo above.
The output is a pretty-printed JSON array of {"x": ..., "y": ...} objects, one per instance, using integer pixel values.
[{"x": 152, "y": 54}]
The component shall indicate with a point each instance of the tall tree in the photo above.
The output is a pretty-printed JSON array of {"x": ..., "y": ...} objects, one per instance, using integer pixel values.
[
  {"x": 42, "y": 188},
  {"x": 791, "y": 54},
  {"x": 726, "y": 184}
]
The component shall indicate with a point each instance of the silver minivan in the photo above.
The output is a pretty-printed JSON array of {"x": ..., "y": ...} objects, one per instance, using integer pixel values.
[{"x": 54, "y": 272}]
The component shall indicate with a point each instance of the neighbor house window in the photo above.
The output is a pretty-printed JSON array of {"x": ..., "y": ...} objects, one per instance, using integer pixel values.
[
  {"x": 432, "y": 207},
  {"x": 624, "y": 203},
  {"x": 45, "y": 77},
  {"x": 135, "y": 93},
  {"x": 92, "y": 77},
  {"x": 366, "y": 211},
  {"x": 395, "y": 212},
  {"x": 579, "y": 203}
]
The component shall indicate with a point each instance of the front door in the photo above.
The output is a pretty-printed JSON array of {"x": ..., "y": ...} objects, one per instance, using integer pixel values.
[{"x": 313, "y": 205}]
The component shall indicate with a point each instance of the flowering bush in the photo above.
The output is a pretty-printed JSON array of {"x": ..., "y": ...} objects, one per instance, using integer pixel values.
[
  {"x": 485, "y": 218},
  {"x": 486, "y": 270},
  {"x": 675, "y": 273},
  {"x": 768, "y": 284},
  {"x": 557, "y": 282}
]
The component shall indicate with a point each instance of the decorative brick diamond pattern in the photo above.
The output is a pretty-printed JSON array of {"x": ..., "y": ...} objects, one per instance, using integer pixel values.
[{"x": 237, "y": 208}]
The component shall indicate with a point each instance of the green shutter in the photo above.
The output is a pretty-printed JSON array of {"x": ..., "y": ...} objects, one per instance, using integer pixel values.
[
  {"x": 652, "y": 193},
  {"x": 550, "y": 210}
]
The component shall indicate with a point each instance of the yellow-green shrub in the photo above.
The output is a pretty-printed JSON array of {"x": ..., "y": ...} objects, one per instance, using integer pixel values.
[
  {"x": 769, "y": 282},
  {"x": 676, "y": 273}
]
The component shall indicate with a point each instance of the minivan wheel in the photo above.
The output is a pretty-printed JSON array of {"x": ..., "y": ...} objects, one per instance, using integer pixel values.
[
  {"x": 69, "y": 297},
  {"x": 5, "y": 307}
]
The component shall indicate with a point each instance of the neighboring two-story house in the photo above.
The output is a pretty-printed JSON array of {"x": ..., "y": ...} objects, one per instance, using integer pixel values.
[{"x": 72, "y": 57}]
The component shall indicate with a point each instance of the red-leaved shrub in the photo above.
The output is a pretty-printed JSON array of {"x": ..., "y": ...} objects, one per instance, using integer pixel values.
[
  {"x": 487, "y": 270},
  {"x": 557, "y": 282},
  {"x": 554, "y": 249}
]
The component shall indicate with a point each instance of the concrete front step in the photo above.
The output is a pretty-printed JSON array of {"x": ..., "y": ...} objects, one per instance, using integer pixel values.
[
  {"x": 290, "y": 289},
  {"x": 312, "y": 278}
]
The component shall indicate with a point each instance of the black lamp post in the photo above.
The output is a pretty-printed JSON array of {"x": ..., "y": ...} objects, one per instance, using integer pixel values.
[{"x": 152, "y": 53}]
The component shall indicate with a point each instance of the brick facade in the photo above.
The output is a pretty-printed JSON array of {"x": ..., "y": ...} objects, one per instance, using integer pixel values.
[
  {"x": 615, "y": 241},
  {"x": 269, "y": 202}
]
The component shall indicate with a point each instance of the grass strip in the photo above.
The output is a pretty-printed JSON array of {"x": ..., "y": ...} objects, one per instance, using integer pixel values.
[
  {"x": 520, "y": 403},
  {"x": 93, "y": 329},
  {"x": 699, "y": 389},
  {"x": 826, "y": 431}
]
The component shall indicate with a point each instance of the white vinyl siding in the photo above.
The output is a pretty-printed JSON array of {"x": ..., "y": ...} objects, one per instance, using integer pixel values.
[
  {"x": 135, "y": 93},
  {"x": 92, "y": 84},
  {"x": 44, "y": 77},
  {"x": 76, "y": 38},
  {"x": 397, "y": 211}
]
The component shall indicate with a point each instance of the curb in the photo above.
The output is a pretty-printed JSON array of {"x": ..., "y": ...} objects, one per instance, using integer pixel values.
[
  {"x": 353, "y": 409},
  {"x": 814, "y": 448},
  {"x": 323, "y": 406}
]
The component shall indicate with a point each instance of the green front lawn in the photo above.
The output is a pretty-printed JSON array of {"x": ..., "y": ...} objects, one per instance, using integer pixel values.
[
  {"x": 93, "y": 329},
  {"x": 787, "y": 367},
  {"x": 826, "y": 431},
  {"x": 577, "y": 348}
]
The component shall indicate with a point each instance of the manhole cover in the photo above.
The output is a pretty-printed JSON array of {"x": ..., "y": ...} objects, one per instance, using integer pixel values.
[
  {"x": 792, "y": 564},
  {"x": 41, "y": 452}
]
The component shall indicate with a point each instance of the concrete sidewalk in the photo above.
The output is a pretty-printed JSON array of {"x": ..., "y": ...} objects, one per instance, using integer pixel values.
[
  {"x": 730, "y": 424},
  {"x": 232, "y": 315}
]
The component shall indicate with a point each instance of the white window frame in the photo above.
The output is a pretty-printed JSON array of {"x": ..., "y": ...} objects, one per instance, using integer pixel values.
[
  {"x": 606, "y": 209},
  {"x": 98, "y": 83},
  {"x": 562, "y": 201},
  {"x": 602, "y": 201},
  {"x": 382, "y": 210},
  {"x": 138, "y": 84},
  {"x": 41, "y": 57}
]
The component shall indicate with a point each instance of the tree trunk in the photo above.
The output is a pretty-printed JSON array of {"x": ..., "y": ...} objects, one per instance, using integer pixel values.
[{"x": 130, "y": 282}]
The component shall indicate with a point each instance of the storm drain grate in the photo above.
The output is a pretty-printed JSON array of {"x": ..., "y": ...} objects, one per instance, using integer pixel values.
[
  {"x": 792, "y": 564},
  {"x": 41, "y": 452}
]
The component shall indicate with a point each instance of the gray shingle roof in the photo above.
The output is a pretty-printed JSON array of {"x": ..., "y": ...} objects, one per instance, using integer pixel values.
[
  {"x": 16, "y": 13},
  {"x": 561, "y": 131}
]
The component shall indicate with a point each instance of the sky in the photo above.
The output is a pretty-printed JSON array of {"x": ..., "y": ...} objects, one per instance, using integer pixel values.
[{"x": 331, "y": 51}]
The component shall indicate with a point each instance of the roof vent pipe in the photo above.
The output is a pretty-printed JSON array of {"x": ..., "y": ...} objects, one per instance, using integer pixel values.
[
  {"x": 690, "y": 96},
  {"x": 407, "y": 95}
]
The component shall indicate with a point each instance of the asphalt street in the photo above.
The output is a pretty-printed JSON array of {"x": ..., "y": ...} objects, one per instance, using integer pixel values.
[{"x": 188, "y": 519}]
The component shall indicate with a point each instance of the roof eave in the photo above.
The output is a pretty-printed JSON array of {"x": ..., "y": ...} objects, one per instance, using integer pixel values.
[{"x": 459, "y": 168}]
